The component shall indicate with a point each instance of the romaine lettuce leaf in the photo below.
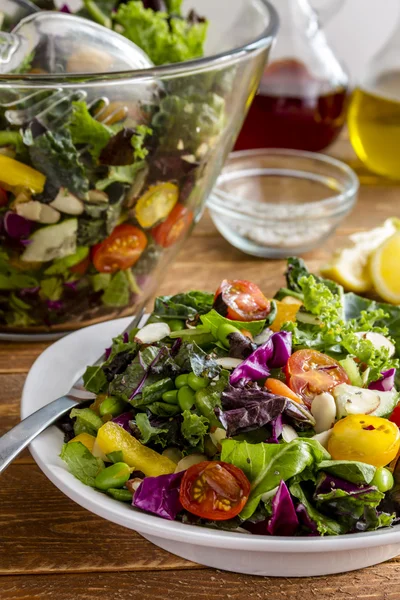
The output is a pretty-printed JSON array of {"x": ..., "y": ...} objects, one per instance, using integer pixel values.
[{"x": 266, "y": 465}]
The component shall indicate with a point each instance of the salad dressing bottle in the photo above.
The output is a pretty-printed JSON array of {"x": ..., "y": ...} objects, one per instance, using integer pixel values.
[
  {"x": 374, "y": 114},
  {"x": 302, "y": 99}
]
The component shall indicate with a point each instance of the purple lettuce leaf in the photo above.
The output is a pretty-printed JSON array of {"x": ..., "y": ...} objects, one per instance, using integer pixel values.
[
  {"x": 249, "y": 407},
  {"x": 271, "y": 355},
  {"x": 306, "y": 521},
  {"x": 328, "y": 483},
  {"x": 386, "y": 383},
  {"x": 284, "y": 520},
  {"x": 160, "y": 495}
]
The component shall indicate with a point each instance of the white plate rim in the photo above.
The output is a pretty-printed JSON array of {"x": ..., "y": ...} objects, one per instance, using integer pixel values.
[{"x": 116, "y": 512}]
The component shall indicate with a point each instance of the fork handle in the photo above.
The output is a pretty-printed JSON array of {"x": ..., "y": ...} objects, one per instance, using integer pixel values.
[{"x": 19, "y": 437}]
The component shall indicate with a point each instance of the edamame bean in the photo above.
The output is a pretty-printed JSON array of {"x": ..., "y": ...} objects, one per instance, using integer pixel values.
[
  {"x": 121, "y": 495},
  {"x": 170, "y": 397},
  {"x": 205, "y": 407},
  {"x": 223, "y": 331},
  {"x": 181, "y": 380},
  {"x": 383, "y": 479},
  {"x": 113, "y": 477},
  {"x": 197, "y": 383},
  {"x": 176, "y": 324},
  {"x": 185, "y": 398},
  {"x": 111, "y": 406}
]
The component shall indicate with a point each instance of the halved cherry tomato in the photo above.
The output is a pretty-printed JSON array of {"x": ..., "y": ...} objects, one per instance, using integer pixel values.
[
  {"x": 309, "y": 373},
  {"x": 395, "y": 416},
  {"x": 156, "y": 204},
  {"x": 369, "y": 439},
  {"x": 214, "y": 490},
  {"x": 3, "y": 197},
  {"x": 120, "y": 251},
  {"x": 81, "y": 267},
  {"x": 174, "y": 227},
  {"x": 277, "y": 387},
  {"x": 241, "y": 300}
]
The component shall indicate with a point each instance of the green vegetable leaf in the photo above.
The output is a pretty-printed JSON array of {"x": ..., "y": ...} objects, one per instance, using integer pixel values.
[
  {"x": 54, "y": 155},
  {"x": 183, "y": 306},
  {"x": 61, "y": 266},
  {"x": 125, "y": 174},
  {"x": 163, "y": 409},
  {"x": 86, "y": 420},
  {"x": 117, "y": 293},
  {"x": 81, "y": 463},
  {"x": 51, "y": 288},
  {"x": 164, "y": 39},
  {"x": 266, "y": 465},
  {"x": 356, "y": 472},
  {"x": 194, "y": 427},
  {"x": 325, "y": 524},
  {"x": 213, "y": 320},
  {"x": 12, "y": 138},
  {"x": 87, "y": 130},
  {"x": 149, "y": 433},
  {"x": 95, "y": 380},
  {"x": 137, "y": 141},
  {"x": 100, "y": 281},
  {"x": 116, "y": 457}
]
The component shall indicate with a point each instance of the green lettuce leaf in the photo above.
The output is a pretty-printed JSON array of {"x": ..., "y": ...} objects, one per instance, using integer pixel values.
[
  {"x": 117, "y": 293},
  {"x": 150, "y": 433},
  {"x": 266, "y": 465},
  {"x": 213, "y": 320},
  {"x": 86, "y": 421},
  {"x": 350, "y": 470},
  {"x": 194, "y": 427},
  {"x": 51, "y": 288},
  {"x": 184, "y": 306},
  {"x": 325, "y": 525},
  {"x": 95, "y": 380},
  {"x": 81, "y": 463},
  {"x": 165, "y": 39},
  {"x": 87, "y": 130},
  {"x": 125, "y": 174}
]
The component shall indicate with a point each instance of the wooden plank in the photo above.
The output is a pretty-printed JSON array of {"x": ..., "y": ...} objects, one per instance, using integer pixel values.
[
  {"x": 43, "y": 531},
  {"x": 376, "y": 583}
]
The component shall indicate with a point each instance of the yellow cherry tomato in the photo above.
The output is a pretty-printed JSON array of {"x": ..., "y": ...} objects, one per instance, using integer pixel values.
[
  {"x": 156, "y": 204},
  {"x": 365, "y": 438}
]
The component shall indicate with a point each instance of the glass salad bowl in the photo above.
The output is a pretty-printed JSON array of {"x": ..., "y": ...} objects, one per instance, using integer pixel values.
[{"x": 103, "y": 176}]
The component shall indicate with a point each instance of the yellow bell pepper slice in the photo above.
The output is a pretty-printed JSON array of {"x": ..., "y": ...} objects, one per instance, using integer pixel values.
[
  {"x": 15, "y": 173},
  {"x": 86, "y": 439},
  {"x": 111, "y": 438},
  {"x": 286, "y": 312},
  {"x": 156, "y": 204}
]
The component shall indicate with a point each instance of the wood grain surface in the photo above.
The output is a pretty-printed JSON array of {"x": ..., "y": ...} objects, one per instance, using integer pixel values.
[{"x": 52, "y": 548}]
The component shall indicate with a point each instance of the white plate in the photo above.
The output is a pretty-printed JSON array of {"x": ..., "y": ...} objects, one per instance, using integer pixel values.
[{"x": 52, "y": 375}]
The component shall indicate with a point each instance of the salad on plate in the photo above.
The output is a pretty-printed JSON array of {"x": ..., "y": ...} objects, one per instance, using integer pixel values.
[{"x": 230, "y": 410}]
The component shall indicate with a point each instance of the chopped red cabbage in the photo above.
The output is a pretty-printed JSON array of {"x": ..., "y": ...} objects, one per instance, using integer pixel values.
[
  {"x": 107, "y": 352},
  {"x": 123, "y": 420},
  {"x": 306, "y": 521},
  {"x": 386, "y": 383},
  {"x": 54, "y": 304},
  {"x": 284, "y": 520},
  {"x": 271, "y": 355},
  {"x": 160, "y": 495},
  {"x": 16, "y": 226}
]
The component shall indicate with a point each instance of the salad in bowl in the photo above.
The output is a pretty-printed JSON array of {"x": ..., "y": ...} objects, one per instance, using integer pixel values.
[{"x": 274, "y": 417}]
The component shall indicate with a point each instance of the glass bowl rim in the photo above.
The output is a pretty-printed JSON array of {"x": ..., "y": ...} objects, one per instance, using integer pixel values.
[
  {"x": 264, "y": 40},
  {"x": 335, "y": 205}
]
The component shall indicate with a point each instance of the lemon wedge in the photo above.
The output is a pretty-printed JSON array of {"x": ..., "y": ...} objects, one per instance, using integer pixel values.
[
  {"x": 384, "y": 269},
  {"x": 350, "y": 266}
]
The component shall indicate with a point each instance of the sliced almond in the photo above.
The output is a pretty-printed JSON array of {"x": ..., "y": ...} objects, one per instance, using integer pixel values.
[
  {"x": 154, "y": 332},
  {"x": 189, "y": 461},
  {"x": 323, "y": 438},
  {"x": 226, "y": 362},
  {"x": 289, "y": 433}
]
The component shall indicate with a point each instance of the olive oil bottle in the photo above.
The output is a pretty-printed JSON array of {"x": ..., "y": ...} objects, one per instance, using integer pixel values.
[{"x": 374, "y": 124}]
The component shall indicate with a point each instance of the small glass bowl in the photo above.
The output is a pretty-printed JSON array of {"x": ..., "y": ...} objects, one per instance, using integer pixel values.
[{"x": 274, "y": 203}]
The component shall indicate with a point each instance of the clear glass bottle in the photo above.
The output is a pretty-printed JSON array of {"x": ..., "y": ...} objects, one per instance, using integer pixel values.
[
  {"x": 374, "y": 113},
  {"x": 302, "y": 99}
]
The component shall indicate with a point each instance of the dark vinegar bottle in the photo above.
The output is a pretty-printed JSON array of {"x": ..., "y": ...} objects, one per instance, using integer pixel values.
[{"x": 294, "y": 109}]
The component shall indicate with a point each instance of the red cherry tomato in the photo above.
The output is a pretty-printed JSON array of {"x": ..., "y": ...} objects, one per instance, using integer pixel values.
[
  {"x": 3, "y": 197},
  {"x": 241, "y": 300},
  {"x": 173, "y": 229},
  {"x": 395, "y": 416},
  {"x": 309, "y": 373},
  {"x": 214, "y": 490},
  {"x": 121, "y": 250},
  {"x": 81, "y": 267}
]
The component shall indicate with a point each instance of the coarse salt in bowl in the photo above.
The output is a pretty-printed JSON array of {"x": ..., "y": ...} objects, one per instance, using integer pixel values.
[{"x": 274, "y": 203}]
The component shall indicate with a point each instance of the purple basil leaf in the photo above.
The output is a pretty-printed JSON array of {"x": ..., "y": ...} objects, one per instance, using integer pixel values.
[
  {"x": 123, "y": 420},
  {"x": 284, "y": 520},
  {"x": 327, "y": 483},
  {"x": 160, "y": 495},
  {"x": 386, "y": 383},
  {"x": 16, "y": 226},
  {"x": 273, "y": 354}
]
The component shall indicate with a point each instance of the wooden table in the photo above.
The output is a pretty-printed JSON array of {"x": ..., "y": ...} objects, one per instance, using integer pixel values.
[{"x": 53, "y": 548}]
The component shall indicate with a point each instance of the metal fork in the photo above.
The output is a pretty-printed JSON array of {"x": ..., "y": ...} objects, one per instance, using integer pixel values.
[{"x": 19, "y": 437}]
